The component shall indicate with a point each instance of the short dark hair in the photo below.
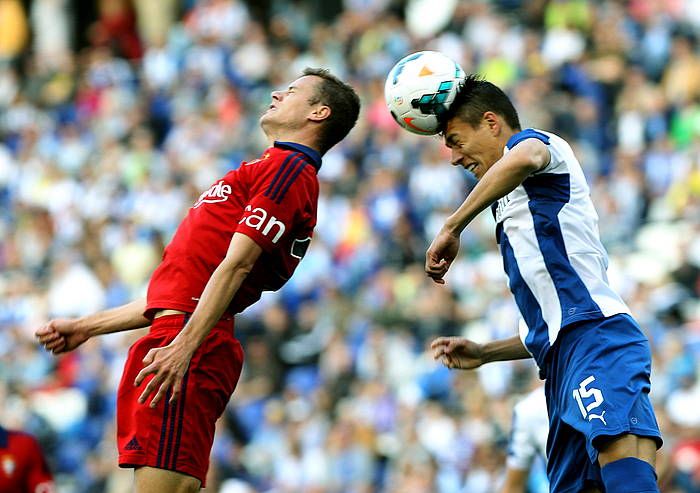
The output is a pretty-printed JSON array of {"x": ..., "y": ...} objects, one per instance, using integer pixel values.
[
  {"x": 343, "y": 102},
  {"x": 475, "y": 96}
]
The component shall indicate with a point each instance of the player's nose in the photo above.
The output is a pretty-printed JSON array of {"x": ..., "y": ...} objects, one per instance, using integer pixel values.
[
  {"x": 456, "y": 158},
  {"x": 276, "y": 95}
]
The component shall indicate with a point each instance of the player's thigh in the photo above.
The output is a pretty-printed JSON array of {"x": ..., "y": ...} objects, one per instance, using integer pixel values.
[
  {"x": 153, "y": 480},
  {"x": 603, "y": 383},
  {"x": 569, "y": 467},
  {"x": 628, "y": 445}
]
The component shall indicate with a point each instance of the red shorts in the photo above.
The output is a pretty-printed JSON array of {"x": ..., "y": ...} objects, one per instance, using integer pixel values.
[{"x": 178, "y": 436}]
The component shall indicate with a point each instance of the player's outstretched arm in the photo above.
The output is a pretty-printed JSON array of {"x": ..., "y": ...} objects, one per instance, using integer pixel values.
[
  {"x": 65, "y": 334},
  {"x": 168, "y": 364},
  {"x": 502, "y": 178},
  {"x": 464, "y": 354}
]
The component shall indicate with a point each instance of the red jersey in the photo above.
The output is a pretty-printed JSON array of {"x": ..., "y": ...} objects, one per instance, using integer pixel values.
[
  {"x": 272, "y": 200},
  {"x": 23, "y": 468}
]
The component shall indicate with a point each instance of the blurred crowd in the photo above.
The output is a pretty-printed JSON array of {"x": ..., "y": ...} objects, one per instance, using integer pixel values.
[{"x": 104, "y": 146}]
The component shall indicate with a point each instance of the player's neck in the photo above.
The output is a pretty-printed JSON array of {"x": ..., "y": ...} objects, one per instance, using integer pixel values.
[
  {"x": 506, "y": 134},
  {"x": 298, "y": 137}
]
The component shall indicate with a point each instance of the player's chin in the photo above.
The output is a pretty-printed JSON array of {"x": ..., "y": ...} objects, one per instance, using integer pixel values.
[{"x": 267, "y": 117}]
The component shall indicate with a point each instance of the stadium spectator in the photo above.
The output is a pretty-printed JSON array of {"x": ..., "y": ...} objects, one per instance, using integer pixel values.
[{"x": 23, "y": 468}]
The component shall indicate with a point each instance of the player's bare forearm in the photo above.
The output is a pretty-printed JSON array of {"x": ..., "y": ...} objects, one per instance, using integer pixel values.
[
  {"x": 65, "y": 334},
  {"x": 460, "y": 353},
  {"x": 504, "y": 350},
  {"x": 502, "y": 178},
  {"x": 125, "y": 317}
]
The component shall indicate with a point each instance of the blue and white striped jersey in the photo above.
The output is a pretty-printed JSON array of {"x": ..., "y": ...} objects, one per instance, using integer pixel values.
[
  {"x": 547, "y": 229},
  {"x": 529, "y": 430}
]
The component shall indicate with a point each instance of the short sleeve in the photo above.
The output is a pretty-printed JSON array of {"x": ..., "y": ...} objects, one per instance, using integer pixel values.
[
  {"x": 530, "y": 133},
  {"x": 279, "y": 202}
]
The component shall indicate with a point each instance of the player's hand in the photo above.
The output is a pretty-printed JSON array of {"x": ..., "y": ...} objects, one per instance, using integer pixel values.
[
  {"x": 457, "y": 352},
  {"x": 61, "y": 335},
  {"x": 441, "y": 254},
  {"x": 168, "y": 365}
]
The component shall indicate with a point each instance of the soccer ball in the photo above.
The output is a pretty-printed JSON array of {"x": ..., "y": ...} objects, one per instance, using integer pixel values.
[{"x": 420, "y": 88}]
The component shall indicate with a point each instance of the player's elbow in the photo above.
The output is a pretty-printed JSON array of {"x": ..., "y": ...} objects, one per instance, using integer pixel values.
[
  {"x": 243, "y": 268},
  {"x": 237, "y": 267}
]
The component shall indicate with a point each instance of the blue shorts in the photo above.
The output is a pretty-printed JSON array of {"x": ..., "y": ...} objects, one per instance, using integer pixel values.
[{"x": 597, "y": 387}]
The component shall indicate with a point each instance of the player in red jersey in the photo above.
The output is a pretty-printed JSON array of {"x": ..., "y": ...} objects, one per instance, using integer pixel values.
[
  {"x": 23, "y": 468},
  {"x": 244, "y": 235}
]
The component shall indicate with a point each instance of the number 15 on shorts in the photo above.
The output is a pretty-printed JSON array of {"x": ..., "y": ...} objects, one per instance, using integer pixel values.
[{"x": 585, "y": 392}]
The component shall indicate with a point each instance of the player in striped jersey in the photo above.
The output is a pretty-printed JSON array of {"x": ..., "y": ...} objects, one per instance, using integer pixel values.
[
  {"x": 528, "y": 440},
  {"x": 244, "y": 235},
  {"x": 593, "y": 355}
]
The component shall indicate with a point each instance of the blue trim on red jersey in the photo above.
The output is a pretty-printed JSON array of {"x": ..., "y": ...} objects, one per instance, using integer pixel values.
[
  {"x": 290, "y": 181},
  {"x": 286, "y": 180},
  {"x": 171, "y": 429},
  {"x": 4, "y": 438},
  {"x": 312, "y": 154},
  {"x": 279, "y": 172},
  {"x": 528, "y": 133},
  {"x": 163, "y": 430},
  {"x": 180, "y": 419}
]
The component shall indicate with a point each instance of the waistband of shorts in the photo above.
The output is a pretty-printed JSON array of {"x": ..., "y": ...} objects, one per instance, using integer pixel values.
[
  {"x": 571, "y": 333},
  {"x": 178, "y": 321}
]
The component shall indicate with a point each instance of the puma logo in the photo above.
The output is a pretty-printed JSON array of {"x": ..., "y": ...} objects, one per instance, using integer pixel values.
[{"x": 599, "y": 416}]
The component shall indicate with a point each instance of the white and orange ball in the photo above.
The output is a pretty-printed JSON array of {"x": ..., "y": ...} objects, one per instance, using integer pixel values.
[{"x": 420, "y": 88}]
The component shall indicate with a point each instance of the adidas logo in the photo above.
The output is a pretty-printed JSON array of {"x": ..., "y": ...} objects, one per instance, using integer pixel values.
[{"x": 133, "y": 445}]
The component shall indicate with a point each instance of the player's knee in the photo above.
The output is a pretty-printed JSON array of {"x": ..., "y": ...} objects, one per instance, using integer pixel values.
[
  {"x": 153, "y": 480},
  {"x": 188, "y": 485},
  {"x": 192, "y": 486}
]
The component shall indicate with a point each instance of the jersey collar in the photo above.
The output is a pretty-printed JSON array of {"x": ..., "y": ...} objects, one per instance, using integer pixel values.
[
  {"x": 528, "y": 133},
  {"x": 312, "y": 154}
]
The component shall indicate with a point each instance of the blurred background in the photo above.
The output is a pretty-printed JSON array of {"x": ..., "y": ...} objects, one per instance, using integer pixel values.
[{"x": 116, "y": 114}]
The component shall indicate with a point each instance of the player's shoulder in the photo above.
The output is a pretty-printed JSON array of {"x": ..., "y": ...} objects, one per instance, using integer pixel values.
[
  {"x": 546, "y": 137},
  {"x": 284, "y": 170},
  {"x": 561, "y": 154},
  {"x": 17, "y": 438},
  {"x": 286, "y": 162},
  {"x": 291, "y": 162},
  {"x": 527, "y": 134},
  {"x": 22, "y": 435}
]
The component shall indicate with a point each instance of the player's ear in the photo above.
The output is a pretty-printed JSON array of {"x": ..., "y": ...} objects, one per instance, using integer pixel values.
[
  {"x": 493, "y": 122},
  {"x": 320, "y": 113}
]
